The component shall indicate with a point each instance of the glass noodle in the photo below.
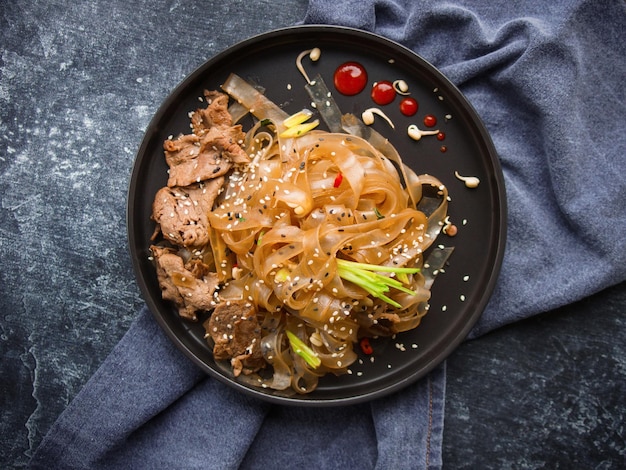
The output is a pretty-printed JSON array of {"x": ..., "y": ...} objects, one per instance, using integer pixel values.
[{"x": 287, "y": 225}]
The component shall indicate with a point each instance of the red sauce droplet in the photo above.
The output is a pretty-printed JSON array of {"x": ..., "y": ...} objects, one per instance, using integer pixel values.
[
  {"x": 383, "y": 92},
  {"x": 408, "y": 106},
  {"x": 443, "y": 149},
  {"x": 350, "y": 78},
  {"x": 441, "y": 136},
  {"x": 430, "y": 120}
]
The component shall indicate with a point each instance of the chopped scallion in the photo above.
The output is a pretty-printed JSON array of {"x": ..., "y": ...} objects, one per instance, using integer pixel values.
[
  {"x": 365, "y": 276},
  {"x": 304, "y": 351},
  {"x": 300, "y": 129},
  {"x": 298, "y": 118}
]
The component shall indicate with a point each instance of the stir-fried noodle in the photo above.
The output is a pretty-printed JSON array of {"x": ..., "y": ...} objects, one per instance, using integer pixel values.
[{"x": 320, "y": 236}]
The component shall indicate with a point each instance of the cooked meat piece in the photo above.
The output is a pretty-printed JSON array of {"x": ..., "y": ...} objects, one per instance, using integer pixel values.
[
  {"x": 180, "y": 284},
  {"x": 189, "y": 164},
  {"x": 214, "y": 115},
  {"x": 234, "y": 328},
  {"x": 197, "y": 268},
  {"x": 193, "y": 158},
  {"x": 228, "y": 140},
  {"x": 181, "y": 213}
]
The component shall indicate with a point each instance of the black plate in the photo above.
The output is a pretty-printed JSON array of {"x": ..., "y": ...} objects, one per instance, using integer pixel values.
[{"x": 459, "y": 295}]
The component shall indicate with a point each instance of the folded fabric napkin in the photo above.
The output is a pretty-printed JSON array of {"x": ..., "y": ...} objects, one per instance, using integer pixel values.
[{"x": 548, "y": 81}]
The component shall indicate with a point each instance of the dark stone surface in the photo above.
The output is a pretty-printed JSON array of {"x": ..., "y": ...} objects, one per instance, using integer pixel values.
[
  {"x": 548, "y": 392},
  {"x": 79, "y": 82}
]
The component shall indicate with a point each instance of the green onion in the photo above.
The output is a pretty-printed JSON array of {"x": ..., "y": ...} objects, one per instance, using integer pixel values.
[
  {"x": 302, "y": 350},
  {"x": 365, "y": 276},
  {"x": 298, "y": 118},
  {"x": 300, "y": 129}
]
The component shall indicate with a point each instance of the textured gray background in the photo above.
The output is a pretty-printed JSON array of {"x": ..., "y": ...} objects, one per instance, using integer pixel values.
[{"x": 79, "y": 82}]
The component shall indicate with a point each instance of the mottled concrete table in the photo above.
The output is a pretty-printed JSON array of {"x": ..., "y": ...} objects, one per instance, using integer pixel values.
[{"x": 79, "y": 82}]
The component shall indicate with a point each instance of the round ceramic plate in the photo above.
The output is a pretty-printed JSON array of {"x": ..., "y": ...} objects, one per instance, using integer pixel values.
[{"x": 459, "y": 294}]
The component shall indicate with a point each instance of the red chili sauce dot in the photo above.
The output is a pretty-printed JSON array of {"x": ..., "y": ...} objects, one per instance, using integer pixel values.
[
  {"x": 350, "y": 78},
  {"x": 383, "y": 92},
  {"x": 408, "y": 106},
  {"x": 441, "y": 136},
  {"x": 430, "y": 120},
  {"x": 443, "y": 149}
]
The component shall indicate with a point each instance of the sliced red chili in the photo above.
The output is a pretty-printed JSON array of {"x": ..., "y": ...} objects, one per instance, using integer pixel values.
[
  {"x": 338, "y": 180},
  {"x": 366, "y": 347}
]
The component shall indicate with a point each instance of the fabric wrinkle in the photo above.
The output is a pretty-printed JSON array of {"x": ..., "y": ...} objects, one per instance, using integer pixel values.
[{"x": 429, "y": 431}]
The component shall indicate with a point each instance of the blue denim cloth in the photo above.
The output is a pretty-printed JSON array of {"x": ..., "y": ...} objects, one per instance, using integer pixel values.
[{"x": 548, "y": 80}]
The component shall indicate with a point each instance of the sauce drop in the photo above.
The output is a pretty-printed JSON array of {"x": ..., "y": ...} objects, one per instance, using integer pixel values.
[
  {"x": 350, "y": 78},
  {"x": 408, "y": 106},
  {"x": 383, "y": 92},
  {"x": 441, "y": 136},
  {"x": 430, "y": 120}
]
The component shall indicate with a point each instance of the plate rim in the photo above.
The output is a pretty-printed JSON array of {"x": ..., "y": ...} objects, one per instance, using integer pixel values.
[{"x": 494, "y": 270}]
